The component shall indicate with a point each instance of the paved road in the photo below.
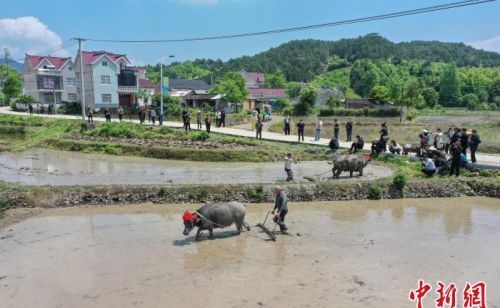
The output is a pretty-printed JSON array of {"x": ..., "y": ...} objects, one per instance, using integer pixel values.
[{"x": 492, "y": 159}]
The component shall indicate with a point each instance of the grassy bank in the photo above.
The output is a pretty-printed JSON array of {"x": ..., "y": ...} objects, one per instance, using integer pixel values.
[
  {"x": 20, "y": 196},
  {"x": 488, "y": 126},
  {"x": 68, "y": 135}
]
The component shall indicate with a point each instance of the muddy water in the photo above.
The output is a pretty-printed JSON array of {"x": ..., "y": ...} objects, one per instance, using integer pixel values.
[
  {"x": 349, "y": 254},
  {"x": 41, "y": 166}
]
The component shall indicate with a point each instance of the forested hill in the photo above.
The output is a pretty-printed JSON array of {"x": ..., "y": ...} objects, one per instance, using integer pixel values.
[{"x": 302, "y": 60}]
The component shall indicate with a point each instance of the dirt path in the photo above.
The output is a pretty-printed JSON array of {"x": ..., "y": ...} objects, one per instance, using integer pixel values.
[
  {"x": 353, "y": 254},
  {"x": 493, "y": 159}
]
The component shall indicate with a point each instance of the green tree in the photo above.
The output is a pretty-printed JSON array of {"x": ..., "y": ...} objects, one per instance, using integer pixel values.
[
  {"x": 449, "y": 93},
  {"x": 364, "y": 76},
  {"x": 307, "y": 100},
  {"x": 232, "y": 87},
  {"x": 431, "y": 97},
  {"x": 25, "y": 99},
  {"x": 293, "y": 89},
  {"x": 471, "y": 101},
  {"x": 276, "y": 80},
  {"x": 186, "y": 70},
  {"x": 283, "y": 103},
  {"x": 380, "y": 94},
  {"x": 333, "y": 102},
  {"x": 12, "y": 84}
]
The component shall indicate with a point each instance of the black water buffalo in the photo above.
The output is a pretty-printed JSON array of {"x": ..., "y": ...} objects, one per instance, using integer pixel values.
[{"x": 217, "y": 215}]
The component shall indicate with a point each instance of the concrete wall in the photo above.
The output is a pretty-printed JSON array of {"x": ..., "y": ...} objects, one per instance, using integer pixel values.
[{"x": 111, "y": 70}]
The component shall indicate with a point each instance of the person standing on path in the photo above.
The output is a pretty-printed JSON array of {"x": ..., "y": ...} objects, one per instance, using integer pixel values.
[
  {"x": 456, "y": 152},
  {"x": 208, "y": 122},
  {"x": 286, "y": 121},
  {"x": 90, "y": 117},
  {"x": 348, "y": 128},
  {"x": 475, "y": 140},
  {"x": 336, "y": 129},
  {"x": 198, "y": 120},
  {"x": 120, "y": 113},
  {"x": 319, "y": 127},
  {"x": 30, "y": 107},
  {"x": 223, "y": 118},
  {"x": 288, "y": 167},
  {"x": 384, "y": 135},
  {"x": 446, "y": 140},
  {"x": 259, "y": 129},
  {"x": 464, "y": 141},
  {"x": 153, "y": 115},
  {"x": 280, "y": 209},
  {"x": 217, "y": 118},
  {"x": 300, "y": 129},
  {"x": 187, "y": 123}
]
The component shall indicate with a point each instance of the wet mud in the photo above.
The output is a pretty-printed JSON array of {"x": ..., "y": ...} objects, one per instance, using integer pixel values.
[
  {"x": 347, "y": 254},
  {"x": 42, "y": 166}
]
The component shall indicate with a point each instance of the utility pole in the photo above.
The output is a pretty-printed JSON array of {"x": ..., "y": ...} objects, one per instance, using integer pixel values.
[
  {"x": 161, "y": 92},
  {"x": 161, "y": 88},
  {"x": 82, "y": 86}
]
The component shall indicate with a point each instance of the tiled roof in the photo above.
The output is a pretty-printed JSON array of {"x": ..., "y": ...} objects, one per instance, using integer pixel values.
[
  {"x": 57, "y": 62},
  {"x": 90, "y": 57},
  {"x": 258, "y": 77},
  {"x": 186, "y": 84},
  {"x": 146, "y": 84},
  {"x": 266, "y": 93}
]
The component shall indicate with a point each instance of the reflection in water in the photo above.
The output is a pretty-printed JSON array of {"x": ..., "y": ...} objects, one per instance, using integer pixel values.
[
  {"x": 43, "y": 166},
  {"x": 117, "y": 256}
]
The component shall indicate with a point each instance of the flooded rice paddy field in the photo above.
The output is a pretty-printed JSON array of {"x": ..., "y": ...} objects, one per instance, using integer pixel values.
[
  {"x": 42, "y": 166},
  {"x": 348, "y": 254}
]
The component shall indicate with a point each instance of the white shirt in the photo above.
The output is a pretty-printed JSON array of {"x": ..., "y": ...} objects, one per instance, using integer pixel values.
[
  {"x": 288, "y": 163},
  {"x": 429, "y": 164},
  {"x": 319, "y": 124}
]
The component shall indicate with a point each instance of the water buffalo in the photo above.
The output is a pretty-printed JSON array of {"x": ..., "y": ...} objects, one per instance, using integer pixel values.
[
  {"x": 218, "y": 215},
  {"x": 349, "y": 163}
]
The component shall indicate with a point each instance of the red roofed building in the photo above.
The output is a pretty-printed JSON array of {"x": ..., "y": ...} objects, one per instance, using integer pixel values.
[
  {"x": 110, "y": 79},
  {"x": 258, "y": 96},
  {"x": 50, "y": 80}
]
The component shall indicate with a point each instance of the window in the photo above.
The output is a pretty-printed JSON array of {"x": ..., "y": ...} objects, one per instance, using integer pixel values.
[
  {"x": 72, "y": 97},
  {"x": 104, "y": 63},
  {"x": 105, "y": 79},
  {"x": 71, "y": 81},
  {"x": 106, "y": 98},
  {"x": 70, "y": 68}
]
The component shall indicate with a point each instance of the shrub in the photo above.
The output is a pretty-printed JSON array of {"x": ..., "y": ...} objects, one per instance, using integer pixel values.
[
  {"x": 399, "y": 181},
  {"x": 257, "y": 193},
  {"x": 375, "y": 193}
]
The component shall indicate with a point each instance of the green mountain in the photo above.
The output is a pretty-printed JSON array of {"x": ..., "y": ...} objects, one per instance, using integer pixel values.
[{"x": 303, "y": 60}]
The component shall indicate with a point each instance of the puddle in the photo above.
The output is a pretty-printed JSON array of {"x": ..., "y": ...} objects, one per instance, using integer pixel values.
[{"x": 353, "y": 254}]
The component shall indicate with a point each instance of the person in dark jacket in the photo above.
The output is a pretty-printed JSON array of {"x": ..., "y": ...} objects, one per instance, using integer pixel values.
[
  {"x": 456, "y": 152},
  {"x": 222, "y": 118},
  {"x": 300, "y": 129},
  {"x": 280, "y": 209},
  {"x": 336, "y": 129},
  {"x": 348, "y": 129},
  {"x": 475, "y": 140},
  {"x": 384, "y": 135},
  {"x": 455, "y": 136},
  {"x": 258, "y": 130},
  {"x": 464, "y": 141},
  {"x": 358, "y": 145},
  {"x": 334, "y": 144},
  {"x": 208, "y": 122}
]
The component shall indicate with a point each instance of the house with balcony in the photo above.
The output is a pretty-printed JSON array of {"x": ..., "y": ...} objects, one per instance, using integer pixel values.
[
  {"x": 110, "y": 80},
  {"x": 260, "y": 97},
  {"x": 50, "y": 80}
]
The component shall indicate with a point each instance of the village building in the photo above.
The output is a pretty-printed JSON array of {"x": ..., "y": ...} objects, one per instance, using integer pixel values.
[{"x": 50, "y": 80}]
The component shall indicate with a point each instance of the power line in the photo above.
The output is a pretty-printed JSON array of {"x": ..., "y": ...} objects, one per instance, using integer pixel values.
[
  {"x": 429, "y": 9},
  {"x": 61, "y": 46}
]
